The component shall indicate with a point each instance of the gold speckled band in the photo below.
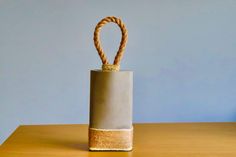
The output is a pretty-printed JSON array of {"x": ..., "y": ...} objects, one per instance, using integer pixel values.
[{"x": 110, "y": 139}]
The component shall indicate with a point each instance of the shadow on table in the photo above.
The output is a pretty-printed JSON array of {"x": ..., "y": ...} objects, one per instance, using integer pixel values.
[{"x": 67, "y": 144}]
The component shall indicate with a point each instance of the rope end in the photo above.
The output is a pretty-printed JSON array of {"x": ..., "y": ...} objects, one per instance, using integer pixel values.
[{"x": 110, "y": 67}]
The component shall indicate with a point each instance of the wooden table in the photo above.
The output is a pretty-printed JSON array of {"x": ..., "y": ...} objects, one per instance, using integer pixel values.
[{"x": 150, "y": 140}]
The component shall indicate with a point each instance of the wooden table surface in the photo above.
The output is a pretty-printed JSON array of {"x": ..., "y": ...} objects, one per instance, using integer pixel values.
[{"x": 150, "y": 140}]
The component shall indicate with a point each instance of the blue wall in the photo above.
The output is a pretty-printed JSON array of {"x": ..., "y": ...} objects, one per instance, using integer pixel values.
[{"x": 183, "y": 54}]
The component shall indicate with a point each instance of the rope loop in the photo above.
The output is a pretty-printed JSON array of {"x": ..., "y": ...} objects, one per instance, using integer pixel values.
[{"x": 116, "y": 64}]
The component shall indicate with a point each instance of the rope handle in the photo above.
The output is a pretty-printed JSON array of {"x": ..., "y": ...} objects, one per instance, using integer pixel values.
[{"x": 116, "y": 64}]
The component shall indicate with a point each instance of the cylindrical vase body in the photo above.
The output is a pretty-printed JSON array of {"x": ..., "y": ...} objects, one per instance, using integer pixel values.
[{"x": 111, "y": 99}]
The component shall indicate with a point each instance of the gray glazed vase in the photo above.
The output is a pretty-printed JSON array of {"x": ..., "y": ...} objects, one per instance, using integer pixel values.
[{"x": 111, "y": 99}]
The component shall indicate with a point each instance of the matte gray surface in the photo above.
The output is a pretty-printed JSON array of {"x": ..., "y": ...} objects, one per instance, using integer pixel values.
[
  {"x": 111, "y": 99},
  {"x": 182, "y": 52}
]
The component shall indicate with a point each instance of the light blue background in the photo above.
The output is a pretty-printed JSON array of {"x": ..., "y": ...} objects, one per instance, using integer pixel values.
[{"x": 183, "y": 54}]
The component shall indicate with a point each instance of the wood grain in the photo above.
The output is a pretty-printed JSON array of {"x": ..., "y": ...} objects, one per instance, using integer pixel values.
[{"x": 150, "y": 140}]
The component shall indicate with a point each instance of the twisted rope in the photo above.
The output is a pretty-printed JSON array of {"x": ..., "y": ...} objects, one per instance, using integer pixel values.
[{"x": 116, "y": 64}]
